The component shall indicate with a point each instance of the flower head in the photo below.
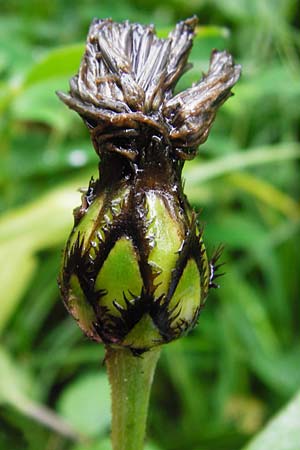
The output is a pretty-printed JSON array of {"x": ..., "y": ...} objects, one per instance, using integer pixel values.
[{"x": 135, "y": 271}]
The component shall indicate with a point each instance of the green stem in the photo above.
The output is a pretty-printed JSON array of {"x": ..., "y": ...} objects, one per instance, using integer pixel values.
[{"x": 131, "y": 379}]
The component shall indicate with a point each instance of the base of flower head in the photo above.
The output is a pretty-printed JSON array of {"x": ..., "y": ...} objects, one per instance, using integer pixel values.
[
  {"x": 141, "y": 322},
  {"x": 139, "y": 265}
]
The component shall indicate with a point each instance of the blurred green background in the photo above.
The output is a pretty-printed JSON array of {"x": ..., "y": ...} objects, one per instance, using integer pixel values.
[{"x": 233, "y": 382}]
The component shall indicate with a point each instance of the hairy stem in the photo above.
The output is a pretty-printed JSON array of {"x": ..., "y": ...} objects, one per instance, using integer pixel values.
[{"x": 131, "y": 379}]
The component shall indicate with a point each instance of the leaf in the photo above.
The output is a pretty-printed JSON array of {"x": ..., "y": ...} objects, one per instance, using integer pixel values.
[
  {"x": 15, "y": 382},
  {"x": 198, "y": 172},
  {"x": 256, "y": 339},
  {"x": 40, "y": 224},
  {"x": 6, "y": 95},
  {"x": 106, "y": 445},
  {"x": 38, "y": 103},
  {"x": 267, "y": 82},
  {"x": 43, "y": 222},
  {"x": 59, "y": 62},
  {"x": 85, "y": 403},
  {"x": 282, "y": 432},
  {"x": 17, "y": 268},
  {"x": 249, "y": 314},
  {"x": 202, "y": 32},
  {"x": 266, "y": 193},
  {"x": 102, "y": 445},
  {"x": 237, "y": 230},
  {"x": 16, "y": 389}
]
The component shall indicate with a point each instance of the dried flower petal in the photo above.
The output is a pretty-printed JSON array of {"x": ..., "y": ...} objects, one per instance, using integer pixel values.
[{"x": 126, "y": 82}]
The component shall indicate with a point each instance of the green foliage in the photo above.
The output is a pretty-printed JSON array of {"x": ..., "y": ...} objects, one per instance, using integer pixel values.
[
  {"x": 89, "y": 394},
  {"x": 222, "y": 384},
  {"x": 283, "y": 432}
]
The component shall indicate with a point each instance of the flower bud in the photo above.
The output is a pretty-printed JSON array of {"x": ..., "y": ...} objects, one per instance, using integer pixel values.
[{"x": 135, "y": 271}]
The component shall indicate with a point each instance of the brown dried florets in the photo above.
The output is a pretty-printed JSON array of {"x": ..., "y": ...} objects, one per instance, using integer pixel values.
[{"x": 126, "y": 82}]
